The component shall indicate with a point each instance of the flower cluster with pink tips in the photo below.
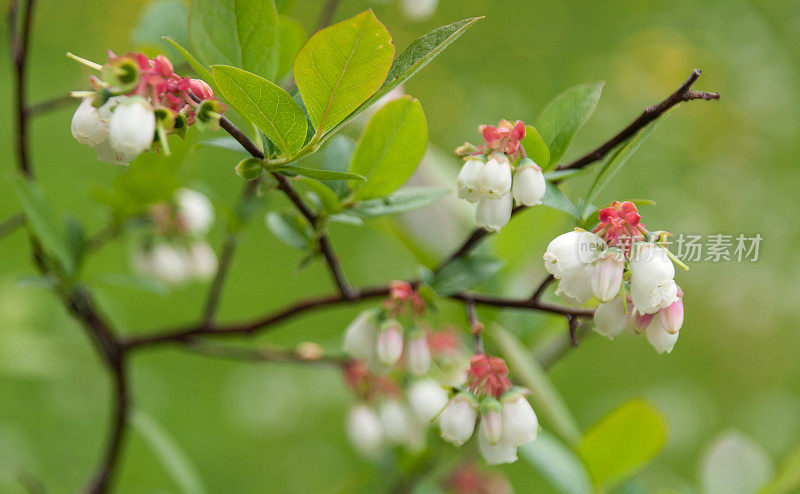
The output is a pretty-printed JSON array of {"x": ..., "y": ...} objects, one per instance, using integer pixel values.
[
  {"x": 138, "y": 102},
  {"x": 403, "y": 386},
  {"x": 505, "y": 176},
  {"x": 628, "y": 269}
]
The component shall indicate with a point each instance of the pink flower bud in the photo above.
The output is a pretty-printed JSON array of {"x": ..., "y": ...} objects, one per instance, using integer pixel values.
[
  {"x": 201, "y": 89},
  {"x": 672, "y": 316},
  {"x": 641, "y": 322},
  {"x": 162, "y": 65},
  {"x": 661, "y": 339},
  {"x": 418, "y": 355},
  {"x": 389, "y": 344}
]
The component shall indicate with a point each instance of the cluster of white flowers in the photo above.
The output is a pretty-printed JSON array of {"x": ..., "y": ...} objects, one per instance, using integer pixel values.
[
  {"x": 632, "y": 277},
  {"x": 395, "y": 421},
  {"x": 120, "y": 130},
  {"x": 494, "y": 185},
  {"x": 177, "y": 253},
  {"x": 376, "y": 341},
  {"x": 505, "y": 424}
]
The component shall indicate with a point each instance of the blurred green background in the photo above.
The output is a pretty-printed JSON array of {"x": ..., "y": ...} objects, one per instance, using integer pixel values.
[{"x": 712, "y": 167}]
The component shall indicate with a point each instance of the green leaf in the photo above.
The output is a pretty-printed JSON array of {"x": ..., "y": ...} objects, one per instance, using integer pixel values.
[
  {"x": 240, "y": 33},
  {"x": 202, "y": 70},
  {"x": 412, "y": 60},
  {"x": 613, "y": 165},
  {"x": 535, "y": 147},
  {"x": 464, "y": 273},
  {"x": 173, "y": 459},
  {"x": 558, "y": 464},
  {"x": 290, "y": 229},
  {"x": 390, "y": 148},
  {"x": 341, "y": 66},
  {"x": 160, "y": 18},
  {"x": 788, "y": 478},
  {"x": 401, "y": 201},
  {"x": 546, "y": 400},
  {"x": 320, "y": 174},
  {"x": 735, "y": 464},
  {"x": 43, "y": 221},
  {"x": 623, "y": 442},
  {"x": 327, "y": 197},
  {"x": 554, "y": 198},
  {"x": 228, "y": 143},
  {"x": 292, "y": 35},
  {"x": 265, "y": 104},
  {"x": 564, "y": 115}
]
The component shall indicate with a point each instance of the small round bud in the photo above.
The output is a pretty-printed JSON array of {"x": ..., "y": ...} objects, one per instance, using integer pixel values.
[
  {"x": 250, "y": 168},
  {"x": 427, "y": 398},
  {"x": 389, "y": 343},
  {"x": 529, "y": 184},
  {"x": 457, "y": 420}
]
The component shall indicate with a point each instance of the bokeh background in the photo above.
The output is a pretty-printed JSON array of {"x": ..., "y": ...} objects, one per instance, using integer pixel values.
[{"x": 712, "y": 167}]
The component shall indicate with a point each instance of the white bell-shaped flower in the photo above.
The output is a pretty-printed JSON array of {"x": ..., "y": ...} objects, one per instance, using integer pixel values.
[
  {"x": 529, "y": 184},
  {"x": 650, "y": 265},
  {"x": 427, "y": 398},
  {"x": 87, "y": 126},
  {"x": 195, "y": 211},
  {"x": 389, "y": 343},
  {"x": 491, "y": 426},
  {"x": 658, "y": 336},
  {"x": 132, "y": 127},
  {"x": 359, "y": 337},
  {"x": 607, "y": 275},
  {"x": 365, "y": 430},
  {"x": 469, "y": 180},
  {"x": 418, "y": 355},
  {"x": 493, "y": 213},
  {"x": 496, "y": 176},
  {"x": 106, "y": 153},
  {"x": 418, "y": 10},
  {"x": 397, "y": 421},
  {"x": 577, "y": 289},
  {"x": 163, "y": 262},
  {"x": 520, "y": 424},
  {"x": 569, "y": 252},
  {"x": 202, "y": 261},
  {"x": 497, "y": 454},
  {"x": 457, "y": 420},
  {"x": 611, "y": 319}
]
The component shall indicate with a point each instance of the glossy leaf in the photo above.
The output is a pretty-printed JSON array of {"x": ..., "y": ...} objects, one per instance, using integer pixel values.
[
  {"x": 412, "y": 60},
  {"x": 545, "y": 398},
  {"x": 464, "y": 273},
  {"x": 564, "y": 115},
  {"x": 558, "y": 464},
  {"x": 240, "y": 33},
  {"x": 292, "y": 35},
  {"x": 341, "y": 66},
  {"x": 326, "y": 196},
  {"x": 623, "y": 442},
  {"x": 535, "y": 147},
  {"x": 265, "y": 104},
  {"x": 43, "y": 221},
  {"x": 173, "y": 459},
  {"x": 401, "y": 201},
  {"x": 556, "y": 199},
  {"x": 320, "y": 174},
  {"x": 194, "y": 63},
  {"x": 390, "y": 148},
  {"x": 735, "y": 464},
  {"x": 613, "y": 165},
  {"x": 290, "y": 229}
]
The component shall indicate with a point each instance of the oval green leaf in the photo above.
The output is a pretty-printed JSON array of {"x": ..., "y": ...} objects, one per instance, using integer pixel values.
[
  {"x": 241, "y": 33},
  {"x": 535, "y": 147},
  {"x": 318, "y": 174},
  {"x": 265, "y": 104},
  {"x": 341, "y": 66},
  {"x": 623, "y": 442},
  {"x": 401, "y": 201},
  {"x": 564, "y": 115},
  {"x": 390, "y": 148}
]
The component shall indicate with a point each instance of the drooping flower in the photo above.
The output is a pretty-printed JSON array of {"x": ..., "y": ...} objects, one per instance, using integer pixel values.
[
  {"x": 493, "y": 213},
  {"x": 491, "y": 426},
  {"x": 577, "y": 288},
  {"x": 359, "y": 337},
  {"x": 611, "y": 318},
  {"x": 658, "y": 336},
  {"x": 427, "y": 399},
  {"x": 495, "y": 177},
  {"x": 469, "y": 180},
  {"x": 132, "y": 127},
  {"x": 520, "y": 424},
  {"x": 672, "y": 316},
  {"x": 529, "y": 185},
  {"x": 163, "y": 262},
  {"x": 365, "y": 430},
  {"x": 202, "y": 261},
  {"x": 497, "y": 454},
  {"x": 457, "y": 420},
  {"x": 607, "y": 274},
  {"x": 389, "y": 343},
  {"x": 397, "y": 421},
  {"x": 195, "y": 213},
  {"x": 87, "y": 125},
  {"x": 568, "y": 253},
  {"x": 418, "y": 354}
]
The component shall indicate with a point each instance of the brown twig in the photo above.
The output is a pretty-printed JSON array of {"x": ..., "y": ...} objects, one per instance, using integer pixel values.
[
  {"x": 265, "y": 354},
  {"x": 572, "y": 321},
  {"x": 475, "y": 325},
  {"x": 541, "y": 288},
  {"x": 49, "y": 105}
]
